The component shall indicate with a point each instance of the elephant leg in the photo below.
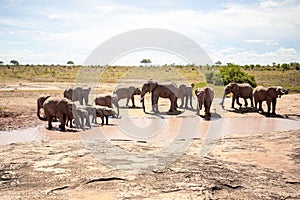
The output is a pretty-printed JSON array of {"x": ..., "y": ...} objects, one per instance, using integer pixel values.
[
  {"x": 186, "y": 101},
  {"x": 238, "y": 102},
  {"x": 154, "y": 103},
  {"x": 173, "y": 105},
  {"x": 127, "y": 102},
  {"x": 106, "y": 117},
  {"x": 132, "y": 100},
  {"x": 198, "y": 110},
  {"x": 191, "y": 101},
  {"x": 232, "y": 102},
  {"x": 50, "y": 123},
  {"x": 246, "y": 102},
  {"x": 269, "y": 107},
  {"x": 88, "y": 123},
  {"x": 182, "y": 101},
  {"x": 82, "y": 122},
  {"x": 94, "y": 119},
  {"x": 62, "y": 122},
  {"x": 207, "y": 110},
  {"x": 102, "y": 120},
  {"x": 260, "y": 106},
  {"x": 274, "y": 101},
  {"x": 251, "y": 100}
]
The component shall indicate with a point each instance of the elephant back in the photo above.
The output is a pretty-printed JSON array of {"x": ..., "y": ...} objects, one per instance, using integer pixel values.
[{"x": 172, "y": 86}]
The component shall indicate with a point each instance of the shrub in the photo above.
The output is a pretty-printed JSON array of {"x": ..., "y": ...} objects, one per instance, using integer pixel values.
[
  {"x": 233, "y": 73},
  {"x": 209, "y": 77},
  {"x": 217, "y": 78}
]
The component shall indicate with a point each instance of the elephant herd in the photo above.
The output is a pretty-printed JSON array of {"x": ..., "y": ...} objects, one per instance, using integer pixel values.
[
  {"x": 259, "y": 95},
  {"x": 71, "y": 108}
]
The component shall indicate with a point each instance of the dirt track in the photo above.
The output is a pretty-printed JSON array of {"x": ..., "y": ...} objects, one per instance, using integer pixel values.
[{"x": 61, "y": 166}]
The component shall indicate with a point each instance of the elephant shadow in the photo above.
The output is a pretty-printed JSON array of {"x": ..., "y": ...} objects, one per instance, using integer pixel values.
[
  {"x": 130, "y": 107},
  {"x": 68, "y": 130},
  {"x": 213, "y": 116},
  {"x": 243, "y": 110},
  {"x": 162, "y": 114},
  {"x": 190, "y": 109},
  {"x": 274, "y": 115}
]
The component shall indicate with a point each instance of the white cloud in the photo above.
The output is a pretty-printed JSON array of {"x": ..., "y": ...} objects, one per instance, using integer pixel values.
[
  {"x": 268, "y": 4},
  {"x": 266, "y": 42},
  {"x": 223, "y": 32},
  {"x": 280, "y": 55},
  {"x": 53, "y": 16}
]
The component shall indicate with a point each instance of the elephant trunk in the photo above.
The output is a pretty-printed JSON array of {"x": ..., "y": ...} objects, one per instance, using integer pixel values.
[
  {"x": 115, "y": 102},
  {"x": 40, "y": 103},
  {"x": 143, "y": 104},
  {"x": 42, "y": 118},
  {"x": 222, "y": 103}
]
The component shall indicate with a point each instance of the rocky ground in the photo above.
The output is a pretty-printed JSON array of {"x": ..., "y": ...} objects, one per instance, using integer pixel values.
[{"x": 260, "y": 165}]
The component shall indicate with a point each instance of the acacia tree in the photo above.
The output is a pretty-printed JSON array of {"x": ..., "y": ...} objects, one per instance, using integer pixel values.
[
  {"x": 1, "y": 62},
  {"x": 218, "y": 63},
  {"x": 14, "y": 62},
  {"x": 70, "y": 62},
  {"x": 145, "y": 61}
]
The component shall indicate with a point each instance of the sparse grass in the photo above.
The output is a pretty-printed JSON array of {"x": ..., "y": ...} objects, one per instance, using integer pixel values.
[
  {"x": 179, "y": 74},
  {"x": 289, "y": 79}
]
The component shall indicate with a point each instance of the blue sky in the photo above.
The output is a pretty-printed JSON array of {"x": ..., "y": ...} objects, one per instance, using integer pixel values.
[{"x": 236, "y": 31}]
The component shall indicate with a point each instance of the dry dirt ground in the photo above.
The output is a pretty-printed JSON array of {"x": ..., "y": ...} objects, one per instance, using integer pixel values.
[{"x": 262, "y": 165}]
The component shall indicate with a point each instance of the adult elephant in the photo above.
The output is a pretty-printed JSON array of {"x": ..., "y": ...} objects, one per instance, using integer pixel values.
[
  {"x": 60, "y": 108},
  {"x": 268, "y": 94},
  {"x": 165, "y": 90},
  {"x": 108, "y": 101},
  {"x": 40, "y": 102},
  {"x": 127, "y": 93},
  {"x": 205, "y": 97},
  {"x": 243, "y": 90},
  {"x": 78, "y": 94},
  {"x": 185, "y": 93}
]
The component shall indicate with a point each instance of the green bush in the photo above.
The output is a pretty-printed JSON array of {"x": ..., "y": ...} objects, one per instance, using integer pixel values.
[
  {"x": 217, "y": 79},
  {"x": 209, "y": 77},
  {"x": 233, "y": 73}
]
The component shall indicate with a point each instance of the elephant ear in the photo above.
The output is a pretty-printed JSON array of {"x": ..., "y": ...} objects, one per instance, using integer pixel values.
[
  {"x": 152, "y": 85},
  {"x": 197, "y": 92},
  {"x": 137, "y": 91},
  {"x": 131, "y": 90},
  {"x": 234, "y": 87},
  {"x": 279, "y": 91},
  {"x": 272, "y": 92}
]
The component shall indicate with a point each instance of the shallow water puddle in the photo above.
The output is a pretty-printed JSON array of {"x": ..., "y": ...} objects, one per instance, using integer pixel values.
[
  {"x": 22, "y": 135},
  {"x": 173, "y": 128}
]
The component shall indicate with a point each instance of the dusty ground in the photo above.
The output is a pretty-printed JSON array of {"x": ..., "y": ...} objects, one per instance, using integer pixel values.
[{"x": 263, "y": 165}]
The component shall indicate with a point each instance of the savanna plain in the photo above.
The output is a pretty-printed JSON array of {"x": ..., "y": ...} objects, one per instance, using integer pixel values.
[{"x": 239, "y": 154}]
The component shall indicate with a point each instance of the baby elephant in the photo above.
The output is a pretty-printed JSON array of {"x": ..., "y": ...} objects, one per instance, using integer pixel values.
[
  {"x": 205, "y": 97},
  {"x": 127, "y": 93},
  {"x": 186, "y": 94},
  {"x": 108, "y": 101},
  {"x": 81, "y": 115},
  {"x": 103, "y": 111}
]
